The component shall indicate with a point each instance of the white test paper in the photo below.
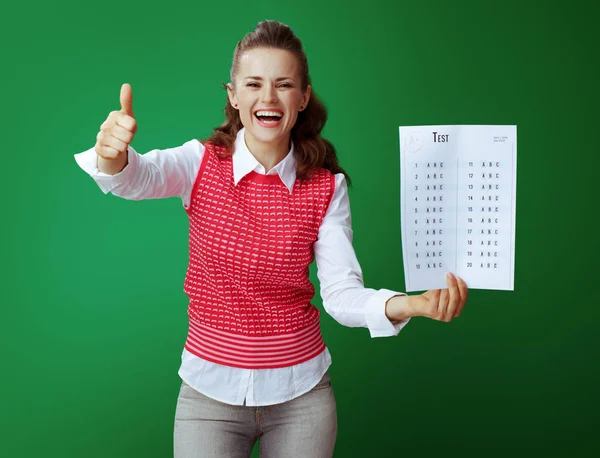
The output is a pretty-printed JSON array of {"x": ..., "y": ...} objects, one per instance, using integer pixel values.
[{"x": 458, "y": 201}]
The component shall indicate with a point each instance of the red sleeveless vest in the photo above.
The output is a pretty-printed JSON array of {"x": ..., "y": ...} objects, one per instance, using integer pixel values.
[{"x": 250, "y": 247}]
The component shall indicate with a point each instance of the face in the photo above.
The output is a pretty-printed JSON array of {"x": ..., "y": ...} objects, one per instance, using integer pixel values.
[{"x": 268, "y": 96}]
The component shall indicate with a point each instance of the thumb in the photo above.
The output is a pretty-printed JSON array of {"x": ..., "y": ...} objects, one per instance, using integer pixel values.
[{"x": 126, "y": 100}]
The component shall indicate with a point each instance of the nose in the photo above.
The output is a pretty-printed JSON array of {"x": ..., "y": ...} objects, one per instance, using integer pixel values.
[{"x": 269, "y": 95}]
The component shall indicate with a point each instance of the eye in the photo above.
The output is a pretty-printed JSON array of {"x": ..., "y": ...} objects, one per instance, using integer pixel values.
[
  {"x": 285, "y": 85},
  {"x": 252, "y": 84}
]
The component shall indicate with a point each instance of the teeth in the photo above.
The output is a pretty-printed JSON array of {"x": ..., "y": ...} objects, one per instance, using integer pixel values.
[{"x": 269, "y": 113}]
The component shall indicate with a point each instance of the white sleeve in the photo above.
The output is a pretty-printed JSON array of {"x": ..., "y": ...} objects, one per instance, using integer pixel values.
[
  {"x": 342, "y": 289},
  {"x": 157, "y": 174}
]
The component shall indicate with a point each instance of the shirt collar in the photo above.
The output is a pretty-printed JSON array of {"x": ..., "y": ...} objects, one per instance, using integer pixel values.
[{"x": 244, "y": 163}]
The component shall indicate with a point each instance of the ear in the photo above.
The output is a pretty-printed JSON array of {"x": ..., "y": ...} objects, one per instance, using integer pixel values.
[
  {"x": 306, "y": 97},
  {"x": 232, "y": 96}
]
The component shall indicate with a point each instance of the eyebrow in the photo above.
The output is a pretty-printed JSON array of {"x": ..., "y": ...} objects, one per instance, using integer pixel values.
[{"x": 276, "y": 79}]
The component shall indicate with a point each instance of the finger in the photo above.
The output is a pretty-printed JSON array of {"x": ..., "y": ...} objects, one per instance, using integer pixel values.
[
  {"x": 112, "y": 143},
  {"x": 127, "y": 122},
  {"x": 106, "y": 152},
  {"x": 454, "y": 295},
  {"x": 121, "y": 119},
  {"x": 127, "y": 100},
  {"x": 464, "y": 293},
  {"x": 119, "y": 133}
]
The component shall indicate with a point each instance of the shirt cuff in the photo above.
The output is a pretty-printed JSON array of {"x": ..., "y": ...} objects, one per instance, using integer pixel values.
[
  {"x": 88, "y": 162},
  {"x": 379, "y": 325}
]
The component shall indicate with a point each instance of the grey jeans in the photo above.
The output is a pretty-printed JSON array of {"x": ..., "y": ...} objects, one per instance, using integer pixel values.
[{"x": 305, "y": 427}]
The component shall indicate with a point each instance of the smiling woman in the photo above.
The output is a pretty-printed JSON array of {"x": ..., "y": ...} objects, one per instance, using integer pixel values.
[
  {"x": 270, "y": 95},
  {"x": 265, "y": 196}
]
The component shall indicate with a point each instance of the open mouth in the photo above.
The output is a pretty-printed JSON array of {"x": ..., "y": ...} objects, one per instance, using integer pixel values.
[{"x": 268, "y": 118}]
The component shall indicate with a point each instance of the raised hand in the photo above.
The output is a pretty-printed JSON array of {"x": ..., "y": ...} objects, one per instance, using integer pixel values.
[{"x": 116, "y": 133}]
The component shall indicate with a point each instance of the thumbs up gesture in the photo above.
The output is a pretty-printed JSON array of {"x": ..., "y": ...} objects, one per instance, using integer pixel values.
[{"x": 116, "y": 133}]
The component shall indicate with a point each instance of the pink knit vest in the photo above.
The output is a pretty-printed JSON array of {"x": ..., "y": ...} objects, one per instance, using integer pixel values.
[{"x": 248, "y": 274}]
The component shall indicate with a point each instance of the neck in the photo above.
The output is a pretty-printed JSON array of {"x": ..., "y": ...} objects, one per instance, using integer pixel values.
[{"x": 267, "y": 154}]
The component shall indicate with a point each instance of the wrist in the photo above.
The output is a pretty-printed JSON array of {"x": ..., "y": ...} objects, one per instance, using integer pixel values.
[{"x": 399, "y": 308}]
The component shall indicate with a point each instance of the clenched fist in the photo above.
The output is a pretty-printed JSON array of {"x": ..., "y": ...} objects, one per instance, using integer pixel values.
[{"x": 116, "y": 133}]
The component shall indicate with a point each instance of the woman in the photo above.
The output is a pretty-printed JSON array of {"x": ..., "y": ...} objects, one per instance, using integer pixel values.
[{"x": 264, "y": 196}]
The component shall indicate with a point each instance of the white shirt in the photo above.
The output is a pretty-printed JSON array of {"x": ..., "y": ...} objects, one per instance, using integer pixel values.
[{"x": 171, "y": 173}]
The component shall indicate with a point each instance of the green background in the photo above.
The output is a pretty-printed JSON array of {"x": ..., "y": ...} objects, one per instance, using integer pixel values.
[{"x": 93, "y": 308}]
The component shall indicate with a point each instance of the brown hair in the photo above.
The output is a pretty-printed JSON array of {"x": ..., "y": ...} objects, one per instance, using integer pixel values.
[{"x": 312, "y": 150}]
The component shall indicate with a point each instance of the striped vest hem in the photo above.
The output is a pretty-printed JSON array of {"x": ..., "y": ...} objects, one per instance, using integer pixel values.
[{"x": 254, "y": 352}]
